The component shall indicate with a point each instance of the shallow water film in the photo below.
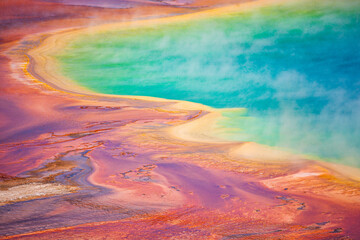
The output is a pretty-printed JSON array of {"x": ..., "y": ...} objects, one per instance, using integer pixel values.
[{"x": 181, "y": 119}]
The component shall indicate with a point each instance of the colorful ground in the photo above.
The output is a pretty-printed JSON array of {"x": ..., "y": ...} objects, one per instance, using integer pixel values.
[{"x": 75, "y": 164}]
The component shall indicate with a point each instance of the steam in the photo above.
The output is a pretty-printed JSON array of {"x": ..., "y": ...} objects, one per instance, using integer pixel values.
[{"x": 295, "y": 68}]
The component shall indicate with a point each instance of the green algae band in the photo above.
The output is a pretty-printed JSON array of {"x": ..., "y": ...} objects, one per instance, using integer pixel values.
[{"x": 295, "y": 67}]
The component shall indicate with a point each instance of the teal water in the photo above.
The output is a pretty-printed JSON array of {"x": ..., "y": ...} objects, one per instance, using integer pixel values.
[{"x": 295, "y": 68}]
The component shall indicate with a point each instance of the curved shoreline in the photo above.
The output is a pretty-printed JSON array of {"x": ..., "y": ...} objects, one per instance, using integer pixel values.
[
  {"x": 49, "y": 71},
  {"x": 45, "y": 68},
  {"x": 201, "y": 128}
]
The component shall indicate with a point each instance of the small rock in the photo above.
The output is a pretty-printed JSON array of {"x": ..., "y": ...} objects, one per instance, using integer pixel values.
[{"x": 337, "y": 230}]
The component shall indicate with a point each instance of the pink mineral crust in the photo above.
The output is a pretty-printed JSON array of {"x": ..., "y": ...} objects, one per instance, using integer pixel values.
[{"x": 77, "y": 166}]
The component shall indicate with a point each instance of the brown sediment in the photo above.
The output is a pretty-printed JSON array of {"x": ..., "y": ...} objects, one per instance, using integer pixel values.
[
  {"x": 31, "y": 191},
  {"x": 125, "y": 167}
]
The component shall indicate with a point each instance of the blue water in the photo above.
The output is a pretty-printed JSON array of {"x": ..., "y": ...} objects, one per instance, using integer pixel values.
[{"x": 294, "y": 67}]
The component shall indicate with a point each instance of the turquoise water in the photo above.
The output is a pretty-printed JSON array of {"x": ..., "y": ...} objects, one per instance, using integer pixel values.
[{"x": 294, "y": 67}]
